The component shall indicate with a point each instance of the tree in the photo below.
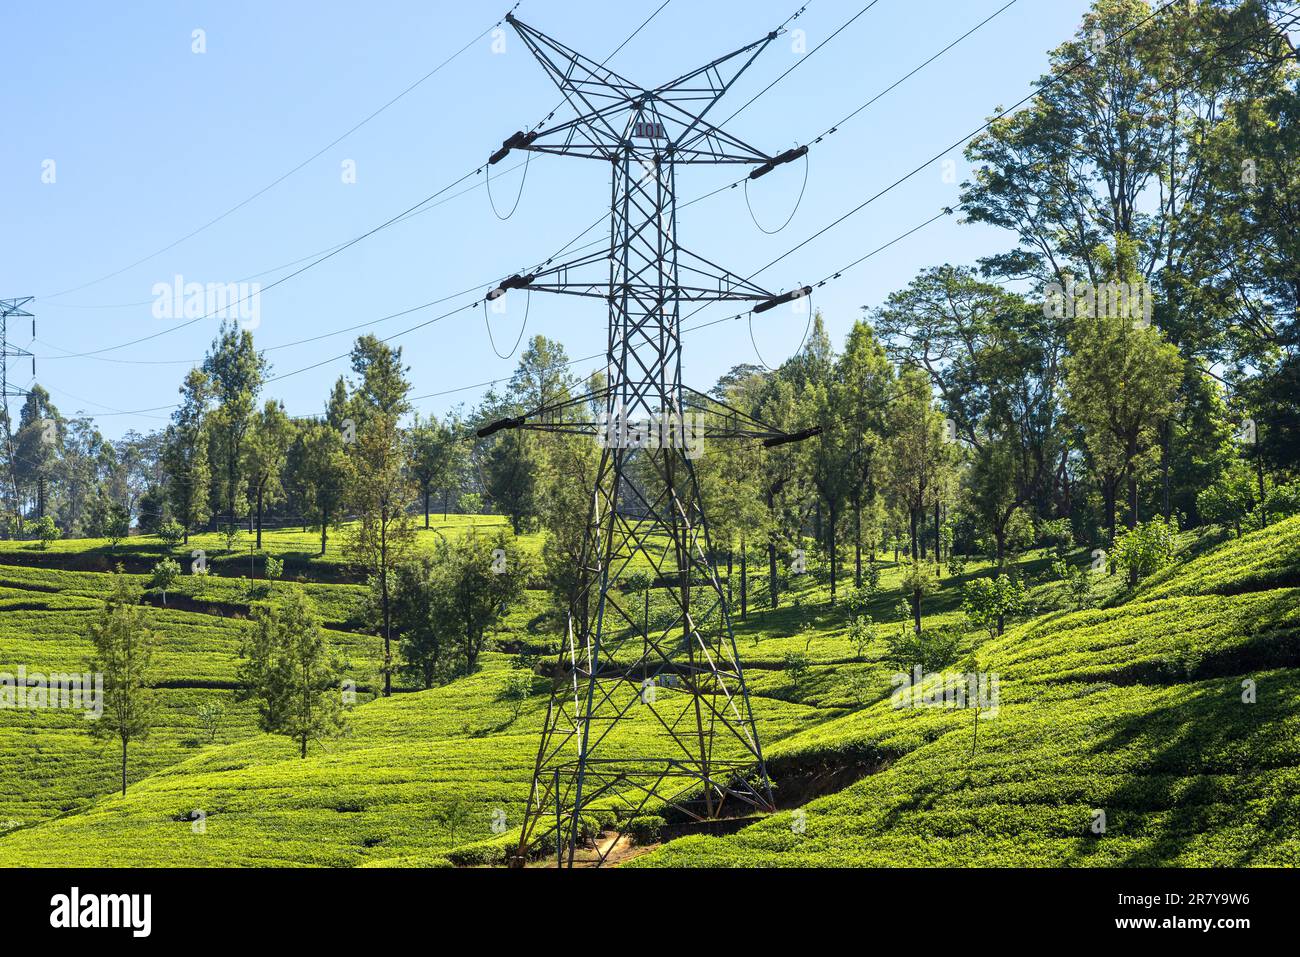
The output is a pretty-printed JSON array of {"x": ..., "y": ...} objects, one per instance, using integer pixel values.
[
  {"x": 124, "y": 646},
  {"x": 1230, "y": 498},
  {"x": 265, "y": 446},
  {"x": 165, "y": 574},
  {"x": 796, "y": 665},
  {"x": 478, "y": 579},
  {"x": 437, "y": 456},
  {"x": 571, "y": 463},
  {"x": 865, "y": 381},
  {"x": 117, "y": 524},
  {"x": 829, "y": 458},
  {"x": 379, "y": 493},
  {"x": 918, "y": 581},
  {"x": 510, "y": 474},
  {"x": 210, "y": 714},
  {"x": 1145, "y": 549},
  {"x": 994, "y": 362},
  {"x": 290, "y": 671},
  {"x": 1121, "y": 377},
  {"x": 379, "y": 490},
  {"x": 171, "y": 532},
  {"x": 185, "y": 455},
  {"x": 989, "y": 602},
  {"x": 36, "y": 447},
  {"x": 516, "y": 691},
  {"x": 729, "y": 479},
  {"x": 317, "y": 471},
  {"x": 46, "y": 531},
  {"x": 236, "y": 371},
  {"x": 382, "y": 386},
  {"x": 916, "y": 452},
  {"x": 429, "y": 648}
]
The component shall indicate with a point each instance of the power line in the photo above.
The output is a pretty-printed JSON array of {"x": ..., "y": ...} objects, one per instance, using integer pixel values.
[
  {"x": 603, "y": 217},
  {"x": 1046, "y": 83},
  {"x": 280, "y": 179},
  {"x": 338, "y": 249}
]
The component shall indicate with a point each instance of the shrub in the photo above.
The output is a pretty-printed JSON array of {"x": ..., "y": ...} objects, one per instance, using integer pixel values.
[
  {"x": 118, "y": 524},
  {"x": 46, "y": 531},
  {"x": 1283, "y": 501},
  {"x": 933, "y": 649},
  {"x": 210, "y": 715},
  {"x": 274, "y": 567},
  {"x": 796, "y": 665},
  {"x": 1230, "y": 499},
  {"x": 494, "y": 850},
  {"x": 171, "y": 532},
  {"x": 165, "y": 574},
  {"x": 517, "y": 690},
  {"x": 645, "y": 830},
  {"x": 1146, "y": 549},
  {"x": 1078, "y": 582},
  {"x": 862, "y": 632},
  {"x": 989, "y": 602},
  {"x": 1057, "y": 534}
]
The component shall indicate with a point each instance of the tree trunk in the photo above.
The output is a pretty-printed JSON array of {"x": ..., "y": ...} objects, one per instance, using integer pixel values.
[
  {"x": 830, "y": 531},
  {"x": 1259, "y": 470},
  {"x": 744, "y": 582},
  {"x": 124, "y": 765},
  {"x": 1166, "y": 437},
  {"x": 304, "y": 745},
  {"x": 383, "y": 585},
  {"x": 324, "y": 526},
  {"x": 259, "y": 517},
  {"x": 426, "y": 508},
  {"x": 772, "y": 598},
  {"x": 1109, "y": 490},
  {"x": 938, "y": 543},
  {"x": 857, "y": 545}
]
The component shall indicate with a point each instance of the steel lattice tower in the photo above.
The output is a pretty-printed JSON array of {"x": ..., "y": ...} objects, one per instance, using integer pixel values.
[
  {"x": 12, "y": 308},
  {"x": 692, "y": 744}
]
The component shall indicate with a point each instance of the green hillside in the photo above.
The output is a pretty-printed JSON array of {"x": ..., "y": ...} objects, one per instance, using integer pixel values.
[{"x": 1134, "y": 709}]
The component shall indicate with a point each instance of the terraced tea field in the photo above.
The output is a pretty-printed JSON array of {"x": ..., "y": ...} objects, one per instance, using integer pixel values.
[{"x": 1134, "y": 709}]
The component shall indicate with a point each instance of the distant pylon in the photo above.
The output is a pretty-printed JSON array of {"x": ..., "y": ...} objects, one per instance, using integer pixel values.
[
  {"x": 13, "y": 308},
  {"x": 695, "y": 749}
]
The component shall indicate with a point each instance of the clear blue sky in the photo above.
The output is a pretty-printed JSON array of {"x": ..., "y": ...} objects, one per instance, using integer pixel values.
[{"x": 151, "y": 140}]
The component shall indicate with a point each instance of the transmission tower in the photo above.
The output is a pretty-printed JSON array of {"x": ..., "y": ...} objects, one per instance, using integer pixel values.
[
  {"x": 649, "y": 711},
  {"x": 13, "y": 308}
]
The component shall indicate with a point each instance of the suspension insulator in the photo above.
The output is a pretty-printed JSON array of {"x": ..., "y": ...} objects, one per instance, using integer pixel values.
[
  {"x": 790, "y": 296},
  {"x": 514, "y": 282},
  {"x": 515, "y": 141},
  {"x": 792, "y": 437},
  {"x": 510, "y": 423},
  {"x": 789, "y": 156}
]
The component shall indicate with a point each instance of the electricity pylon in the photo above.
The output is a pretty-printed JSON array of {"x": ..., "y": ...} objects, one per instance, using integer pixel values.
[
  {"x": 648, "y": 711},
  {"x": 12, "y": 308}
]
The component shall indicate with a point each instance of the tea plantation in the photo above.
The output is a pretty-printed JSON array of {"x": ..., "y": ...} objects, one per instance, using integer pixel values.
[{"x": 1158, "y": 727}]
